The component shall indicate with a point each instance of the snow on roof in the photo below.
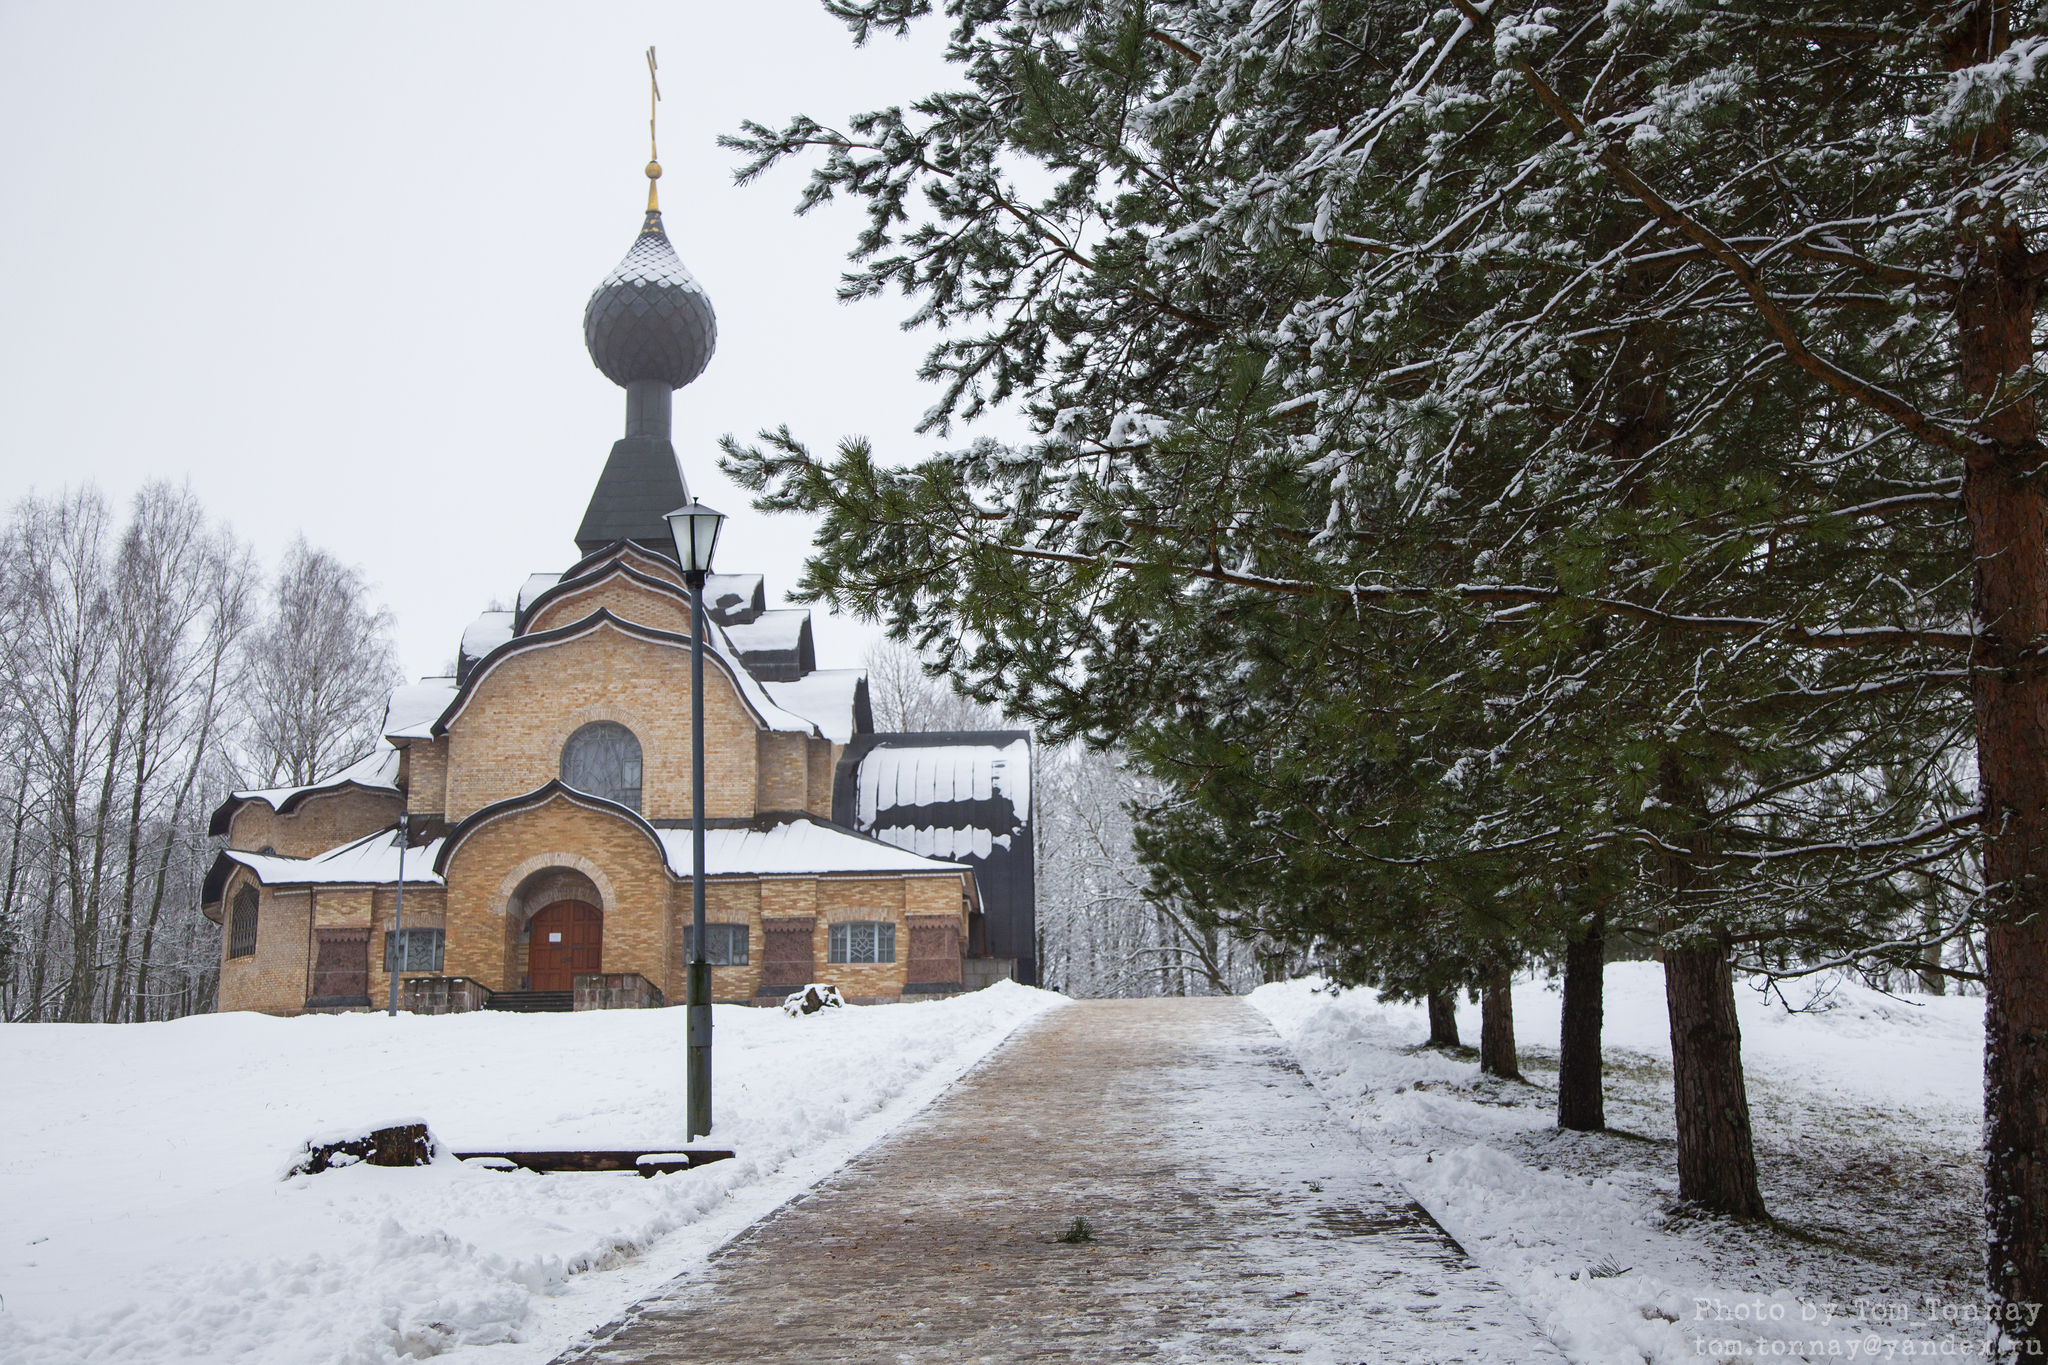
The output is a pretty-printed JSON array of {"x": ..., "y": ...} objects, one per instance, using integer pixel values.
[
  {"x": 733, "y": 594},
  {"x": 371, "y": 860},
  {"x": 794, "y": 846},
  {"x": 774, "y": 717},
  {"x": 413, "y": 709},
  {"x": 941, "y": 841},
  {"x": 535, "y": 585},
  {"x": 486, "y": 633},
  {"x": 928, "y": 775},
  {"x": 824, "y": 697},
  {"x": 782, "y": 629},
  {"x": 378, "y": 769}
]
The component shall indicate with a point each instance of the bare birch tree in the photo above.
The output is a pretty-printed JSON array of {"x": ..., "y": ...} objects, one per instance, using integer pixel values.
[
  {"x": 117, "y": 658},
  {"x": 319, "y": 669}
]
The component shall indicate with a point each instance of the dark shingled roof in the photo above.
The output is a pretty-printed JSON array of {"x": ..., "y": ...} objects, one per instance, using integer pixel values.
[
  {"x": 640, "y": 485},
  {"x": 649, "y": 320}
]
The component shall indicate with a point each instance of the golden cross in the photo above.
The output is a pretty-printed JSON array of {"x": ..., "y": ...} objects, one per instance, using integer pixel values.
[
  {"x": 655, "y": 84},
  {"x": 653, "y": 154}
]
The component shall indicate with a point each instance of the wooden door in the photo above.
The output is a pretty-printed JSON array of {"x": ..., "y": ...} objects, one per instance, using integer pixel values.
[
  {"x": 934, "y": 952},
  {"x": 787, "y": 961},
  {"x": 567, "y": 938},
  {"x": 341, "y": 966}
]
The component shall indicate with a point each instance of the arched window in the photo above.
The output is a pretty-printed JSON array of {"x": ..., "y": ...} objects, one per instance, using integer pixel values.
[
  {"x": 242, "y": 928},
  {"x": 603, "y": 759}
]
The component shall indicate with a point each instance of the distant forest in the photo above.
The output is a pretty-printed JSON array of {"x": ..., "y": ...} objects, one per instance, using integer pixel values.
[{"x": 148, "y": 664}]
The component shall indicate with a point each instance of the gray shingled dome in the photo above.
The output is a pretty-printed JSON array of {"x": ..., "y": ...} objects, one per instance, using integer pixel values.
[{"x": 650, "y": 319}]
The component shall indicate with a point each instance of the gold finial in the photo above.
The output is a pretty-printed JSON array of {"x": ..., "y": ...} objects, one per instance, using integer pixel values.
[{"x": 653, "y": 153}]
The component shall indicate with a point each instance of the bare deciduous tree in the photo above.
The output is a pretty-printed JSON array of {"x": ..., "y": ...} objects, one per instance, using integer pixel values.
[
  {"x": 117, "y": 663},
  {"x": 318, "y": 671},
  {"x": 906, "y": 698}
]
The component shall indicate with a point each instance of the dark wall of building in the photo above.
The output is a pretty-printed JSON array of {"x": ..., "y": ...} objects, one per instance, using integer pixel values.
[{"x": 1006, "y": 874}]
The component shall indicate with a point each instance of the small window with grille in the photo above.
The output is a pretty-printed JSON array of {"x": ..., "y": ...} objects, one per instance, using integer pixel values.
[
  {"x": 242, "y": 927},
  {"x": 863, "y": 942},
  {"x": 421, "y": 950},
  {"x": 725, "y": 945}
]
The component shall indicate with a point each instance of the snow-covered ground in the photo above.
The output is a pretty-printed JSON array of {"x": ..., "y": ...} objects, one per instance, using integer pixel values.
[
  {"x": 1867, "y": 1111},
  {"x": 143, "y": 1216}
]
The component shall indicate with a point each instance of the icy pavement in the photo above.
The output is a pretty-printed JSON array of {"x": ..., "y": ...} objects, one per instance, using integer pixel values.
[{"x": 1233, "y": 1218}]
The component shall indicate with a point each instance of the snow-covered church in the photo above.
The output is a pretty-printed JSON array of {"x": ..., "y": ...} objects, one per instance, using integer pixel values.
[{"x": 547, "y": 783}]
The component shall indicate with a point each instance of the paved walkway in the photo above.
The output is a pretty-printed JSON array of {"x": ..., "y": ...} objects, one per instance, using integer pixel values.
[{"x": 1234, "y": 1220}]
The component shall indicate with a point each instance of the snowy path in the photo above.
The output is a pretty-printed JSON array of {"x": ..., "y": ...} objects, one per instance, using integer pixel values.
[
  {"x": 1235, "y": 1219},
  {"x": 143, "y": 1218}
]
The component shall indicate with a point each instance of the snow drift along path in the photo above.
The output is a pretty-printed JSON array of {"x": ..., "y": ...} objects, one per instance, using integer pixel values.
[
  {"x": 144, "y": 1218},
  {"x": 1555, "y": 1215}
]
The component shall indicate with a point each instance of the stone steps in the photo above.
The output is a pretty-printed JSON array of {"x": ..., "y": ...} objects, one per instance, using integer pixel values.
[{"x": 533, "y": 1002}]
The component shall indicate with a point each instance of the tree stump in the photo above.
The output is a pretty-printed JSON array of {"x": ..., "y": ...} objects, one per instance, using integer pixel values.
[
  {"x": 401, "y": 1144},
  {"x": 812, "y": 998}
]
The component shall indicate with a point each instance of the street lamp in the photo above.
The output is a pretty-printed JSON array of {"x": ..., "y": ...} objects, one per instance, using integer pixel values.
[{"x": 695, "y": 529}]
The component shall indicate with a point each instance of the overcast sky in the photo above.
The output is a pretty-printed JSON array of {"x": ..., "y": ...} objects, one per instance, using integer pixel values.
[{"x": 328, "y": 263}]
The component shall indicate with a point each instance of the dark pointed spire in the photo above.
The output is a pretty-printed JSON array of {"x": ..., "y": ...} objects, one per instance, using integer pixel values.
[{"x": 650, "y": 329}]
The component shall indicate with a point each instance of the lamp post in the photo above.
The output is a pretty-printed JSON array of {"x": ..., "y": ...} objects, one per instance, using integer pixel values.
[
  {"x": 695, "y": 529},
  {"x": 399, "y": 960}
]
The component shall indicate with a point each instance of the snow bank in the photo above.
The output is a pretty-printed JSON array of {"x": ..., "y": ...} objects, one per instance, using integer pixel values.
[
  {"x": 1594, "y": 1257},
  {"x": 144, "y": 1220}
]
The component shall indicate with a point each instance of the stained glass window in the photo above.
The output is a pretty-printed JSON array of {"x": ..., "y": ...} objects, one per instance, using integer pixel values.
[
  {"x": 859, "y": 941},
  {"x": 422, "y": 950},
  {"x": 603, "y": 759}
]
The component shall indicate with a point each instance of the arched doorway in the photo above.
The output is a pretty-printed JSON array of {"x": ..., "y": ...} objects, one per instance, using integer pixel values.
[{"x": 566, "y": 937}]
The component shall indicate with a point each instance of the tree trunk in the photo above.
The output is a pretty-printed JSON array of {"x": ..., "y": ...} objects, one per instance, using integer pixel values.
[
  {"x": 8, "y": 914},
  {"x": 1443, "y": 1019},
  {"x": 38, "y": 973},
  {"x": 1581, "y": 1098},
  {"x": 116, "y": 1009},
  {"x": 1716, "y": 1158},
  {"x": 2003, "y": 499},
  {"x": 1932, "y": 979},
  {"x": 1497, "y": 1028}
]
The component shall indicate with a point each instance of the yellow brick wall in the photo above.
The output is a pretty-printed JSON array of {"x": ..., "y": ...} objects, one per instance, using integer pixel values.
[
  {"x": 486, "y": 869},
  {"x": 823, "y": 756},
  {"x": 316, "y": 825},
  {"x": 426, "y": 764},
  {"x": 425, "y": 908},
  {"x": 508, "y": 739},
  {"x": 273, "y": 979},
  {"x": 865, "y": 899},
  {"x": 937, "y": 896},
  {"x": 796, "y": 773},
  {"x": 726, "y": 901},
  {"x": 623, "y": 598},
  {"x": 783, "y": 772}
]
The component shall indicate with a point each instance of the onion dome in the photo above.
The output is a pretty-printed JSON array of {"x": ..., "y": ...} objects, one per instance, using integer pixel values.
[{"x": 650, "y": 320}]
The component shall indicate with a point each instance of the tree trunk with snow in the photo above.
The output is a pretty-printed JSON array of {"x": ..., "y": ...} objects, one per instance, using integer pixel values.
[
  {"x": 1497, "y": 1028},
  {"x": 1581, "y": 1098},
  {"x": 1443, "y": 1019}
]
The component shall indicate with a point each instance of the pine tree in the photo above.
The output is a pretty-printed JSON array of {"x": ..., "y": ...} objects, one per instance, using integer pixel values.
[{"x": 1674, "y": 360}]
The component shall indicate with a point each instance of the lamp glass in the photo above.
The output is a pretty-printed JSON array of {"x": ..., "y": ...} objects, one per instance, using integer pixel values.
[{"x": 695, "y": 529}]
